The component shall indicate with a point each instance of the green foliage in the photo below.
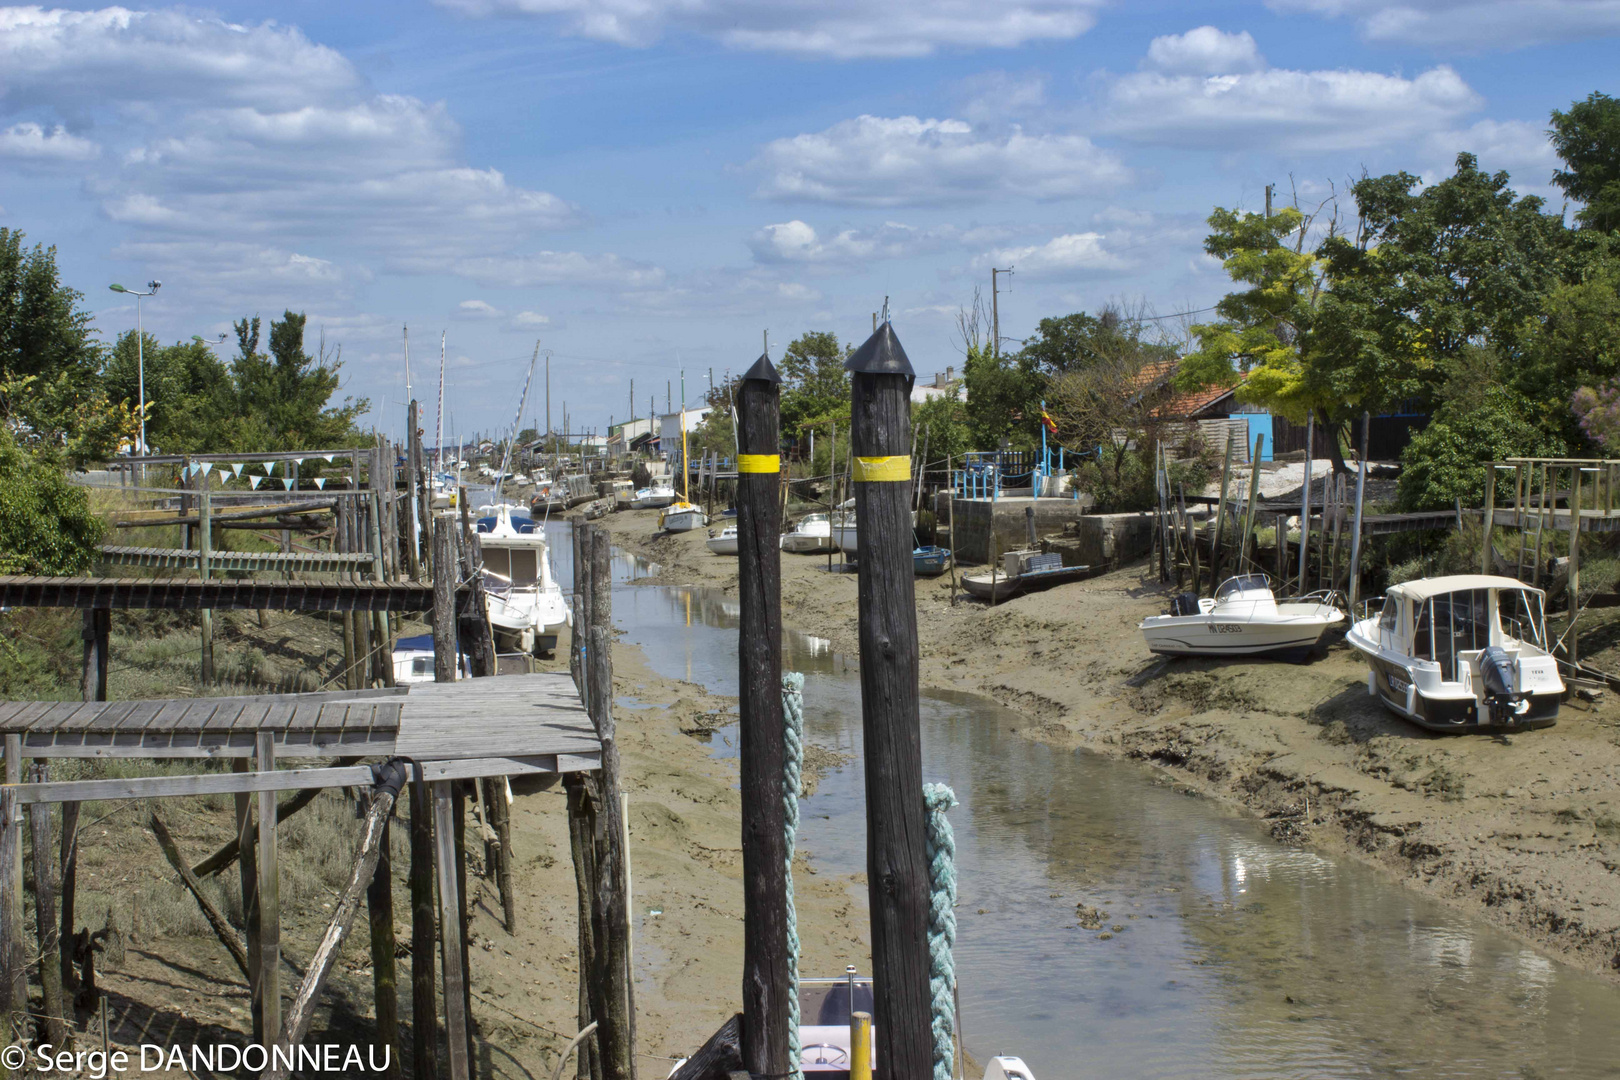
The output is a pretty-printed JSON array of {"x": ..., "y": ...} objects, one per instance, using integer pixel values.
[
  {"x": 945, "y": 417},
  {"x": 815, "y": 386},
  {"x": 1125, "y": 483},
  {"x": 282, "y": 397},
  {"x": 1446, "y": 461},
  {"x": 1003, "y": 399},
  {"x": 1079, "y": 341},
  {"x": 1587, "y": 138},
  {"x": 189, "y": 404},
  {"x": 46, "y": 526},
  {"x": 1573, "y": 353}
]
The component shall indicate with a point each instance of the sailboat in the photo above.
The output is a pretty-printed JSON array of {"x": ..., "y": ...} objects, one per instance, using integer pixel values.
[{"x": 682, "y": 515}]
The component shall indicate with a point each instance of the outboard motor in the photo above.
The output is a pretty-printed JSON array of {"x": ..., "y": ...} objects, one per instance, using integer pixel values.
[
  {"x": 1184, "y": 604},
  {"x": 1496, "y": 673}
]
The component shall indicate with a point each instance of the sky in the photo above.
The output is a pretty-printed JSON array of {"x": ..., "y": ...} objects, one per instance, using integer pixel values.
[{"x": 645, "y": 187}]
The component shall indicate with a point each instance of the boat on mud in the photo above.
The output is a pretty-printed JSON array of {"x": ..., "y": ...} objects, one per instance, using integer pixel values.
[
  {"x": 812, "y": 535},
  {"x": 723, "y": 542},
  {"x": 930, "y": 561},
  {"x": 653, "y": 498},
  {"x": 1021, "y": 571},
  {"x": 1468, "y": 652},
  {"x": 526, "y": 605},
  {"x": 1244, "y": 618},
  {"x": 682, "y": 516}
]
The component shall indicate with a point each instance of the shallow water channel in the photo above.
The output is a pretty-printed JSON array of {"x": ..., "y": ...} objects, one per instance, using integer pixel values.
[{"x": 1231, "y": 955}]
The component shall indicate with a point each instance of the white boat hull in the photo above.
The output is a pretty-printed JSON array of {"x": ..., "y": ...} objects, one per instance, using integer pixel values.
[
  {"x": 685, "y": 521},
  {"x": 723, "y": 545},
  {"x": 797, "y": 543},
  {"x": 847, "y": 537},
  {"x": 1296, "y": 629}
]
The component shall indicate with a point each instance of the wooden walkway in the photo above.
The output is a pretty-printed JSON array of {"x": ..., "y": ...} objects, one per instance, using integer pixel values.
[
  {"x": 216, "y": 595},
  {"x": 503, "y": 726},
  {"x": 245, "y": 561}
]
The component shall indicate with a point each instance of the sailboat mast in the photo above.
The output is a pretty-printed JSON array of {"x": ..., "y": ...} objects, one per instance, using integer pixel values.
[
  {"x": 686, "y": 472},
  {"x": 438, "y": 436}
]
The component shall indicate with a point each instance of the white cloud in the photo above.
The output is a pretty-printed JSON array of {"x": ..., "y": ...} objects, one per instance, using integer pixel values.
[
  {"x": 528, "y": 320},
  {"x": 904, "y": 160},
  {"x": 31, "y": 142},
  {"x": 796, "y": 242},
  {"x": 1496, "y": 24},
  {"x": 838, "y": 28},
  {"x": 1520, "y": 147},
  {"x": 1067, "y": 256},
  {"x": 478, "y": 309},
  {"x": 1299, "y": 110},
  {"x": 1204, "y": 51},
  {"x": 559, "y": 268}
]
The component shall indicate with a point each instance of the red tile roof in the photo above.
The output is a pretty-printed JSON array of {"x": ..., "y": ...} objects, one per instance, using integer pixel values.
[{"x": 1179, "y": 405}]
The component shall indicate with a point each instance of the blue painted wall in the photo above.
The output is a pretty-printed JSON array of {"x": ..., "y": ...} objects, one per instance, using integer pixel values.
[{"x": 1260, "y": 424}]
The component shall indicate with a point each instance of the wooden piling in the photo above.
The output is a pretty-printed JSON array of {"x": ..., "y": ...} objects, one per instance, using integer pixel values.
[
  {"x": 413, "y": 482},
  {"x": 97, "y": 630},
  {"x": 1355, "y": 536},
  {"x": 766, "y": 983},
  {"x": 424, "y": 1009},
  {"x": 455, "y": 1005},
  {"x": 1485, "y": 561},
  {"x": 445, "y": 661},
  {"x": 463, "y": 922},
  {"x": 51, "y": 1027},
  {"x": 499, "y": 824},
  {"x": 1220, "y": 516},
  {"x": 247, "y": 843},
  {"x": 267, "y": 986},
  {"x": 1573, "y": 646},
  {"x": 1305, "y": 506},
  {"x": 69, "y": 877},
  {"x": 1247, "y": 539},
  {"x": 897, "y": 868},
  {"x": 13, "y": 974},
  {"x": 205, "y": 550},
  {"x": 380, "y": 920}
]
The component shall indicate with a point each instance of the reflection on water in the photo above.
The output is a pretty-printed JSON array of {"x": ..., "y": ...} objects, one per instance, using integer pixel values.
[{"x": 1234, "y": 956}]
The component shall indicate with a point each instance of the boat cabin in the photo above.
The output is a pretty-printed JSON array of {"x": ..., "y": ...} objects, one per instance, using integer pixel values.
[{"x": 1447, "y": 621}]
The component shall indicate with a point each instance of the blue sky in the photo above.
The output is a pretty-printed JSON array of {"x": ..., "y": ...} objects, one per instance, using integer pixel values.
[{"x": 642, "y": 185}]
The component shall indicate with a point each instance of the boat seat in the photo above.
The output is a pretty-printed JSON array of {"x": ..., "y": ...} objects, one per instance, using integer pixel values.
[
  {"x": 1184, "y": 604},
  {"x": 835, "y": 1007}
]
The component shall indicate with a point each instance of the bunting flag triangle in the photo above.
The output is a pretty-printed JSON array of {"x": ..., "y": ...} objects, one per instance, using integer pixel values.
[
  {"x": 253, "y": 482},
  {"x": 206, "y": 467},
  {"x": 298, "y": 462},
  {"x": 269, "y": 468},
  {"x": 288, "y": 481},
  {"x": 329, "y": 458},
  {"x": 236, "y": 468},
  {"x": 320, "y": 482},
  {"x": 185, "y": 471}
]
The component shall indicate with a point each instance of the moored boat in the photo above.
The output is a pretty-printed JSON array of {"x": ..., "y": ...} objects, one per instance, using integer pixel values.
[
  {"x": 526, "y": 604},
  {"x": 682, "y": 516},
  {"x": 1024, "y": 570},
  {"x": 413, "y": 661},
  {"x": 723, "y": 542},
  {"x": 1468, "y": 652},
  {"x": 653, "y": 498},
  {"x": 1244, "y": 618},
  {"x": 930, "y": 561},
  {"x": 812, "y": 534}
]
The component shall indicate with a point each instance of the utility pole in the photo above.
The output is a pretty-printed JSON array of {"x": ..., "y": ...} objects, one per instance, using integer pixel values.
[
  {"x": 669, "y": 397},
  {"x": 1268, "y": 200},
  {"x": 995, "y": 310},
  {"x": 548, "y": 412}
]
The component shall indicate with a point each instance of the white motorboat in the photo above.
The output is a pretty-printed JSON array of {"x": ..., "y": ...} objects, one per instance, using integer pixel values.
[
  {"x": 827, "y": 1031},
  {"x": 526, "y": 604},
  {"x": 413, "y": 661},
  {"x": 1462, "y": 653},
  {"x": 1244, "y": 619},
  {"x": 846, "y": 534},
  {"x": 682, "y": 516},
  {"x": 812, "y": 534},
  {"x": 724, "y": 542},
  {"x": 652, "y": 498},
  {"x": 1021, "y": 570}
]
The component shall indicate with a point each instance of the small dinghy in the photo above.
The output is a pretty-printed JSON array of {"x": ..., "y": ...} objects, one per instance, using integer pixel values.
[
  {"x": 1022, "y": 571},
  {"x": 724, "y": 542},
  {"x": 811, "y": 535},
  {"x": 1244, "y": 619},
  {"x": 653, "y": 498},
  {"x": 1462, "y": 653},
  {"x": 930, "y": 561},
  {"x": 682, "y": 516}
]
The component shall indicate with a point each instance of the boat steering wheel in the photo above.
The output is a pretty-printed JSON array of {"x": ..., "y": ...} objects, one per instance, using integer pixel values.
[{"x": 842, "y": 1058}]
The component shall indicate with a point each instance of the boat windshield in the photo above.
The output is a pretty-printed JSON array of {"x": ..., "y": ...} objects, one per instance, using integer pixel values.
[
  {"x": 811, "y": 519},
  {"x": 1521, "y": 615},
  {"x": 826, "y": 1002},
  {"x": 1242, "y": 585}
]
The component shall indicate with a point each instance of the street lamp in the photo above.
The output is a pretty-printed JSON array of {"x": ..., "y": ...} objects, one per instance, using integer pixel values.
[
  {"x": 140, "y": 348},
  {"x": 205, "y": 343}
]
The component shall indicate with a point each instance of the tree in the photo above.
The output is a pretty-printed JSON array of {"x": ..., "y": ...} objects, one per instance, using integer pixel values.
[
  {"x": 189, "y": 401},
  {"x": 1003, "y": 399},
  {"x": 1587, "y": 138},
  {"x": 282, "y": 398},
  {"x": 1446, "y": 461},
  {"x": 943, "y": 420},
  {"x": 46, "y": 526},
  {"x": 814, "y": 382}
]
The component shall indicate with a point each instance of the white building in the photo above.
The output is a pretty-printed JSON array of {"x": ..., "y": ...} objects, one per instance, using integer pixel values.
[
  {"x": 669, "y": 429},
  {"x": 942, "y": 383}
]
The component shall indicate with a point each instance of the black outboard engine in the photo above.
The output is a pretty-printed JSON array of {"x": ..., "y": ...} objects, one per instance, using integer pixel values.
[
  {"x": 1184, "y": 604},
  {"x": 1496, "y": 672}
]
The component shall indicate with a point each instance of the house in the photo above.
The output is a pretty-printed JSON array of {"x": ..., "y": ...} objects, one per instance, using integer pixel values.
[
  {"x": 1213, "y": 411},
  {"x": 942, "y": 383},
  {"x": 668, "y": 442}
]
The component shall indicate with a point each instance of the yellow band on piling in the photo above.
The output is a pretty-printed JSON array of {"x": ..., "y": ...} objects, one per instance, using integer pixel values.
[
  {"x": 870, "y": 469},
  {"x": 765, "y": 463}
]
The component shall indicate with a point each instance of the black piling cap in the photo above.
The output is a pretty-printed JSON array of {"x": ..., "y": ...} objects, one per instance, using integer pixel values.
[
  {"x": 763, "y": 370},
  {"x": 881, "y": 355}
]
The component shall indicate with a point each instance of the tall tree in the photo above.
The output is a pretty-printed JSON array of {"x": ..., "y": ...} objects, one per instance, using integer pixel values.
[
  {"x": 1587, "y": 138},
  {"x": 283, "y": 397},
  {"x": 815, "y": 385}
]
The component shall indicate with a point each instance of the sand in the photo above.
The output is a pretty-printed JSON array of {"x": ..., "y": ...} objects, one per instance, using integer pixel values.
[{"x": 1522, "y": 830}]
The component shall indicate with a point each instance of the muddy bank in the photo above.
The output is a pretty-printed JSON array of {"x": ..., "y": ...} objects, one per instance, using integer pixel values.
[{"x": 1523, "y": 830}]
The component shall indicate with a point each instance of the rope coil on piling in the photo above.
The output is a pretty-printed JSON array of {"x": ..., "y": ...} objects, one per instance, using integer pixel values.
[
  {"x": 937, "y": 799},
  {"x": 792, "y": 779}
]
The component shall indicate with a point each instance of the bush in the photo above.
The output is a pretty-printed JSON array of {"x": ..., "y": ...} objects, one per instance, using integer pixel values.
[
  {"x": 46, "y": 526},
  {"x": 1131, "y": 488},
  {"x": 1446, "y": 461}
]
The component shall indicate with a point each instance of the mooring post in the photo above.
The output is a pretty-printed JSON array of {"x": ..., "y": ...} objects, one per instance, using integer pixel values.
[
  {"x": 52, "y": 1028},
  {"x": 766, "y": 983},
  {"x": 424, "y": 1009},
  {"x": 247, "y": 865},
  {"x": 1489, "y": 519},
  {"x": 69, "y": 852},
  {"x": 267, "y": 984},
  {"x": 455, "y": 1002},
  {"x": 13, "y": 974},
  {"x": 1355, "y": 538},
  {"x": 615, "y": 1035},
  {"x": 205, "y": 551},
  {"x": 445, "y": 661},
  {"x": 1305, "y": 504},
  {"x": 384, "y": 978},
  {"x": 1220, "y": 516},
  {"x": 1247, "y": 538},
  {"x": 1574, "y": 589},
  {"x": 896, "y": 858},
  {"x": 459, "y": 829},
  {"x": 413, "y": 466},
  {"x": 97, "y": 630}
]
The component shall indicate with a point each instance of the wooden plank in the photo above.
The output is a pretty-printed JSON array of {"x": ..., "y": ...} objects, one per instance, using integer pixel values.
[
  {"x": 450, "y": 929},
  {"x": 152, "y": 787}
]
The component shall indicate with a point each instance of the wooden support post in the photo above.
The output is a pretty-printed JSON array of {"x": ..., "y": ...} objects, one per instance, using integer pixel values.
[
  {"x": 97, "y": 630},
  {"x": 216, "y": 918},
  {"x": 582, "y": 846},
  {"x": 367, "y": 859},
  {"x": 500, "y": 821},
  {"x": 52, "y": 1027},
  {"x": 205, "y": 550},
  {"x": 766, "y": 983},
  {"x": 1305, "y": 506},
  {"x": 1334, "y": 577},
  {"x": 267, "y": 986},
  {"x": 1574, "y": 589},
  {"x": 413, "y": 469},
  {"x": 455, "y": 1004},
  {"x": 247, "y": 841},
  {"x": 13, "y": 972},
  {"x": 380, "y": 919},
  {"x": 1485, "y": 561},
  {"x": 382, "y": 654},
  {"x": 1541, "y": 521},
  {"x": 424, "y": 1011},
  {"x": 615, "y": 1032},
  {"x": 69, "y": 870},
  {"x": 477, "y": 639},
  {"x": 1249, "y": 512},
  {"x": 1220, "y": 515},
  {"x": 463, "y": 898},
  {"x": 445, "y": 660},
  {"x": 897, "y": 868},
  {"x": 1355, "y": 536}
]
